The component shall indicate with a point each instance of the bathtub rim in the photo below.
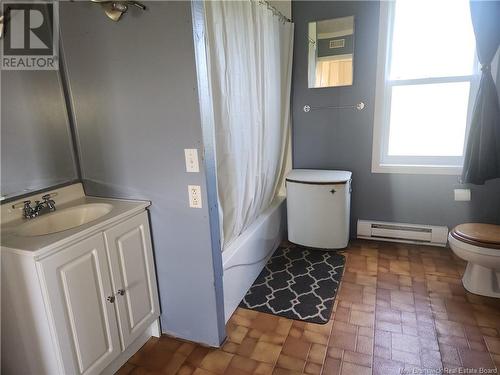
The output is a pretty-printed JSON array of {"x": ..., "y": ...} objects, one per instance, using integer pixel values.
[{"x": 231, "y": 250}]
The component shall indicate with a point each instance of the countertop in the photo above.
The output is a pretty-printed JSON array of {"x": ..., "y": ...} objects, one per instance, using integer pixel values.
[{"x": 40, "y": 245}]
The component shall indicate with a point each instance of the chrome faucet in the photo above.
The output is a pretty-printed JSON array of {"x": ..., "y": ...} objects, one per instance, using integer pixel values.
[{"x": 30, "y": 212}]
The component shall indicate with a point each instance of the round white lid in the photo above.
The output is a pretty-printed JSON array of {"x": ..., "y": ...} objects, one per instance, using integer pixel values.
[{"x": 321, "y": 176}]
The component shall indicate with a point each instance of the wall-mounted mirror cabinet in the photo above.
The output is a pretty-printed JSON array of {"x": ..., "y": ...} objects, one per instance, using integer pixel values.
[{"x": 331, "y": 52}]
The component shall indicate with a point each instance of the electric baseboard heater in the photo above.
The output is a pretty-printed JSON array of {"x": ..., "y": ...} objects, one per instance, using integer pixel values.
[{"x": 402, "y": 232}]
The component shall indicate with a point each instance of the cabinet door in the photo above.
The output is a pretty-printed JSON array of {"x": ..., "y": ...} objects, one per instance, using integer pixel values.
[
  {"x": 78, "y": 285},
  {"x": 132, "y": 269}
]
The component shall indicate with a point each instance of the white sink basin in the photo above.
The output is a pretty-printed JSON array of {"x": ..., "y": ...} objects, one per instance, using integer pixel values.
[{"x": 63, "y": 220}]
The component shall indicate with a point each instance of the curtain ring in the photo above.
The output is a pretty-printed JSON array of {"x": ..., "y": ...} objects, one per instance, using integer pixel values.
[{"x": 485, "y": 68}]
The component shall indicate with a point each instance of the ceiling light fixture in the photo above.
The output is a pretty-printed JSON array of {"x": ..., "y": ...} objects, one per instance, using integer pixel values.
[{"x": 115, "y": 9}]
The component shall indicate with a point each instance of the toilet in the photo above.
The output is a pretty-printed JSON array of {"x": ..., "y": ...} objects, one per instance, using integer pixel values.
[{"x": 479, "y": 245}]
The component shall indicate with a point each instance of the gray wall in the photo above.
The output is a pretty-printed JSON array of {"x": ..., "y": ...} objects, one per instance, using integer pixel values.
[
  {"x": 134, "y": 92},
  {"x": 36, "y": 146},
  {"x": 342, "y": 139}
]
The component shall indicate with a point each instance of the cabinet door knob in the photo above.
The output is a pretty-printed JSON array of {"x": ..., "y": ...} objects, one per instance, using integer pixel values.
[
  {"x": 111, "y": 299},
  {"x": 121, "y": 292},
  {"x": 333, "y": 191}
]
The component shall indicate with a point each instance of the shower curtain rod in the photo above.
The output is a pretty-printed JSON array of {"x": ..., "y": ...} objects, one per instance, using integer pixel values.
[{"x": 275, "y": 11}]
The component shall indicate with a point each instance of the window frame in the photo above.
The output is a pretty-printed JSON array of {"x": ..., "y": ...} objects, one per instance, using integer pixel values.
[{"x": 381, "y": 161}]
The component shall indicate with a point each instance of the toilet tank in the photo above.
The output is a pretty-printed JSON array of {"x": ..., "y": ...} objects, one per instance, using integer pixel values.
[{"x": 318, "y": 207}]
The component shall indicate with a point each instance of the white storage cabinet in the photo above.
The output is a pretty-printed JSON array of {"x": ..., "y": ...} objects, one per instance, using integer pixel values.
[{"x": 318, "y": 207}]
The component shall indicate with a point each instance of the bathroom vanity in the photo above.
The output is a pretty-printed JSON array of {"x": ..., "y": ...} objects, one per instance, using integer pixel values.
[{"x": 79, "y": 291}]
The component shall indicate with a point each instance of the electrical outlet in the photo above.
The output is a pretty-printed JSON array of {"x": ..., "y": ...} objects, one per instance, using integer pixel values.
[
  {"x": 191, "y": 155},
  {"x": 194, "y": 196},
  {"x": 462, "y": 194}
]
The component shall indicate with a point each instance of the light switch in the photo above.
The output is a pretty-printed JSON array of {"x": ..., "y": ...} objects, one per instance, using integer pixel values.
[
  {"x": 194, "y": 192},
  {"x": 462, "y": 194},
  {"x": 191, "y": 155}
]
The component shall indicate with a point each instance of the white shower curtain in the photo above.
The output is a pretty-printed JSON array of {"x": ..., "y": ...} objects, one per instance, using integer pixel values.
[{"x": 250, "y": 63}]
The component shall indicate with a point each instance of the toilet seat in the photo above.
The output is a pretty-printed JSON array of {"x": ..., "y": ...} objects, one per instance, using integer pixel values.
[{"x": 480, "y": 235}]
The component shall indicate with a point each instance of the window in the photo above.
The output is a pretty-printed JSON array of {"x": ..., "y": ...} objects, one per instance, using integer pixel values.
[{"x": 427, "y": 77}]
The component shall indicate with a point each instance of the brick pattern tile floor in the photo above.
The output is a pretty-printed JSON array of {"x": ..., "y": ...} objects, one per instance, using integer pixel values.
[{"x": 400, "y": 308}]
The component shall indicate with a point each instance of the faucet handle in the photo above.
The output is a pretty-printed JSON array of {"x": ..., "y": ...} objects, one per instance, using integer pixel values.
[
  {"x": 50, "y": 202},
  {"x": 21, "y": 205},
  {"x": 49, "y": 195},
  {"x": 28, "y": 211}
]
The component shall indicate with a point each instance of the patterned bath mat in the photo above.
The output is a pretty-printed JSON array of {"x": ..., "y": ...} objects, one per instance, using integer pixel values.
[{"x": 297, "y": 283}]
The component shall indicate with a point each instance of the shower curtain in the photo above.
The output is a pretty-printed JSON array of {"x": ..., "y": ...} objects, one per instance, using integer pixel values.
[{"x": 250, "y": 61}]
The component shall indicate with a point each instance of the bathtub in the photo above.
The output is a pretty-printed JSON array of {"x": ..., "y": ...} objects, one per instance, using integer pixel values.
[{"x": 246, "y": 256}]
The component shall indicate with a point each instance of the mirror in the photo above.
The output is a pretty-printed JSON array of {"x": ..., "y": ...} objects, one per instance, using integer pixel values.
[
  {"x": 331, "y": 52},
  {"x": 36, "y": 144}
]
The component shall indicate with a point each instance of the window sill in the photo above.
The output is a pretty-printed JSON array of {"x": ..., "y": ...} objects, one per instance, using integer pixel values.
[{"x": 417, "y": 169}]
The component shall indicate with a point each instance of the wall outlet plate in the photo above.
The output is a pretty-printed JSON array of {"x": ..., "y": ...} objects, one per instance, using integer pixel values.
[
  {"x": 194, "y": 196},
  {"x": 462, "y": 195},
  {"x": 191, "y": 155}
]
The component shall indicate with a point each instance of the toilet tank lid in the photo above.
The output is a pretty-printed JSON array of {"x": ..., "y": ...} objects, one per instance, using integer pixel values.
[{"x": 318, "y": 176}]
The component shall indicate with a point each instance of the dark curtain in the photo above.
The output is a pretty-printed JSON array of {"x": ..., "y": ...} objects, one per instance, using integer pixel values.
[{"x": 482, "y": 155}]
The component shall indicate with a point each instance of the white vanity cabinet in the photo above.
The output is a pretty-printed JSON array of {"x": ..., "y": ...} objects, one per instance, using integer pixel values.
[{"x": 100, "y": 302}]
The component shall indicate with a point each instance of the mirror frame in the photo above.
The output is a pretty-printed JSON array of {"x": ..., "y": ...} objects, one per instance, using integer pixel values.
[{"x": 353, "y": 49}]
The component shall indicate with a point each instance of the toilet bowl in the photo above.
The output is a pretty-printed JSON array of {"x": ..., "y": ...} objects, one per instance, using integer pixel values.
[{"x": 479, "y": 245}]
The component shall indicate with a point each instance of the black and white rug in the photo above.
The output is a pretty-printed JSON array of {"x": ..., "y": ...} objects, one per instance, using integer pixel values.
[{"x": 297, "y": 283}]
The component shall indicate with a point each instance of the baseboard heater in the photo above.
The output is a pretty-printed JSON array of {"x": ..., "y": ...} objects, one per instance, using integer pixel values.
[{"x": 401, "y": 232}]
